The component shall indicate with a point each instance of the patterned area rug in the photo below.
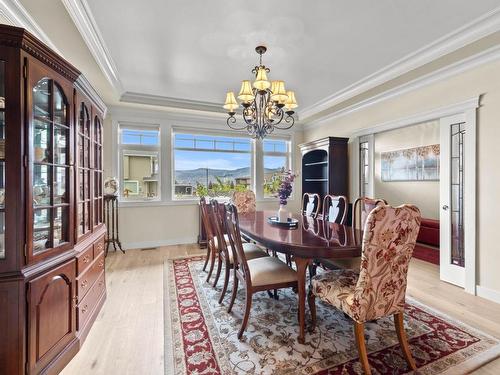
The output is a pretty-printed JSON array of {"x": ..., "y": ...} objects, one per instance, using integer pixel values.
[{"x": 201, "y": 335}]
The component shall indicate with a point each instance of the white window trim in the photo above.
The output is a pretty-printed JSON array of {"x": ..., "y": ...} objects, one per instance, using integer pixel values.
[
  {"x": 169, "y": 123},
  {"x": 289, "y": 162},
  {"x": 370, "y": 191}
]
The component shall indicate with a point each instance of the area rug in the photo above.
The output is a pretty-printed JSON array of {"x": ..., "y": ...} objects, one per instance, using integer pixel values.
[{"x": 200, "y": 336}]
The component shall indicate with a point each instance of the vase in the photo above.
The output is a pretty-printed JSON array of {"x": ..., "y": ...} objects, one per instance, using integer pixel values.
[{"x": 282, "y": 214}]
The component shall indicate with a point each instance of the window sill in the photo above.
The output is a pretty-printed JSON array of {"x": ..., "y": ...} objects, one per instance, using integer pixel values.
[{"x": 128, "y": 204}]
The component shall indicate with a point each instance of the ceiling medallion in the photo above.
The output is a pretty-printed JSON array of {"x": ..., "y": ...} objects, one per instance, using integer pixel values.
[{"x": 266, "y": 105}]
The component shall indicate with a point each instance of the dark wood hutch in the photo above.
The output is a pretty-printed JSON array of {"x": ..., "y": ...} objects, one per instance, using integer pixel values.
[
  {"x": 325, "y": 166},
  {"x": 52, "y": 283}
]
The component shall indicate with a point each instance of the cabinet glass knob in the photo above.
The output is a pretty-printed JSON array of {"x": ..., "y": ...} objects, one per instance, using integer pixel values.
[{"x": 445, "y": 207}]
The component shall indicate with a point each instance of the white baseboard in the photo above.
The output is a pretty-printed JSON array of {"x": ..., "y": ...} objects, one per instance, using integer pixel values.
[
  {"x": 490, "y": 294},
  {"x": 158, "y": 243}
]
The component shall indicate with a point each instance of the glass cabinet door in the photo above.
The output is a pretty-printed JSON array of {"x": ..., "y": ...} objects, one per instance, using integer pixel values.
[
  {"x": 51, "y": 167},
  {"x": 84, "y": 200},
  {"x": 2, "y": 160},
  {"x": 98, "y": 169}
]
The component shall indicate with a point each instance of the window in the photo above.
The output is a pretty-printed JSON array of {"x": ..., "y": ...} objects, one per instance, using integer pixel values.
[
  {"x": 139, "y": 163},
  {"x": 210, "y": 165},
  {"x": 363, "y": 169},
  {"x": 276, "y": 159}
]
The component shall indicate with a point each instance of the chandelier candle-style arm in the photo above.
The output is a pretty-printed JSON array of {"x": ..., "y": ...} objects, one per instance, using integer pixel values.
[{"x": 266, "y": 105}]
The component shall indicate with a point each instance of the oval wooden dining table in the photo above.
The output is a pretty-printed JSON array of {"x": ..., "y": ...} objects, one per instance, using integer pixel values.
[{"x": 312, "y": 239}]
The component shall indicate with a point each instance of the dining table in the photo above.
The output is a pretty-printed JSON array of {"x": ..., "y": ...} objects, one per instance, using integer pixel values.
[{"x": 311, "y": 238}]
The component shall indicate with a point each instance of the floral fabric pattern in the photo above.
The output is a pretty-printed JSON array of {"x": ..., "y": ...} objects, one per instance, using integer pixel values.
[
  {"x": 388, "y": 241},
  {"x": 244, "y": 201}
]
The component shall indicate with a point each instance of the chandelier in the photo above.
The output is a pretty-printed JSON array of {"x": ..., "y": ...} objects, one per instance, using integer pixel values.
[{"x": 266, "y": 105}]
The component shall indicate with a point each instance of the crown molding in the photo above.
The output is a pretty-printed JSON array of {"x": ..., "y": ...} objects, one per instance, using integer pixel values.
[
  {"x": 164, "y": 101},
  {"x": 446, "y": 72},
  {"x": 84, "y": 85},
  {"x": 469, "y": 33},
  {"x": 18, "y": 16},
  {"x": 418, "y": 118},
  {"x": 84, "y": 21},
  {"x": 167, "y": 113}
]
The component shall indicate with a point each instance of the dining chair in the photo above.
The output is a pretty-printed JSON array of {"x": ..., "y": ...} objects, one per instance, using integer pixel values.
[
  {"x": 334, "y": 211},
  {"x": 310, "y": 204},
  {"x": 361, "y": 209},
  {"x": 335, "y": 208},
  {"x": 244, "y": 200},
  {"x": 261, "y": 274},
  {"x": 211, "y": 251},
  {"x": 378, "y": 288},
  {"x": 224, "y": 252}
]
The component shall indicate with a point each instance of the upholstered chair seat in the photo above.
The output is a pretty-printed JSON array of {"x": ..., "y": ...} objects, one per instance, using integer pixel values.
[
  {"x": 251, "y": 250},
  {"x": 270, "y": 270},
  {"x": 336, "y": 287}
]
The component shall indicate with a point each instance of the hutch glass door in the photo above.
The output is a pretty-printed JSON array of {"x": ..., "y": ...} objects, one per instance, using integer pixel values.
[
  {"x": 2, "y": 160},
  {"x": 84, "y": 224},
  {"x": 51, "y": 166}
]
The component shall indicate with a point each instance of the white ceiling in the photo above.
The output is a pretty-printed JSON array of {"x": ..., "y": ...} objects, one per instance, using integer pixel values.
[{"x": 197, "y": 50}]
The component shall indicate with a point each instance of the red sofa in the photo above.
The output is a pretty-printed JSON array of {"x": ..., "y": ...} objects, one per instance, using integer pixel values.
[
  {"x": 429, "y": 232},
  {"x": 428, "y": 235}
]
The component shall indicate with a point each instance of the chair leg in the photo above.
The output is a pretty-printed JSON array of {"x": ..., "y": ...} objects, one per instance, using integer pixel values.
[
  {"x": 233, "y": 294},
  {"x": 206, "y": 258},
  {"x": 219, "y": 269},
  {"x": 226, "y": 282},
  {"x": 275, "y": 294},
  {"x": 248, "y": 305},
  {"x": 403, "y": 340},
  {"x": 213, "y": 255},
  {"x": 312, "y": 271},
  {"x": 311, "y": 300},
  {"x": 359, "y": 332}
]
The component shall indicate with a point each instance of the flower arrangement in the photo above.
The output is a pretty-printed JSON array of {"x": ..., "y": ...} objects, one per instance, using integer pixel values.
[{"x": 286, "y": 187}]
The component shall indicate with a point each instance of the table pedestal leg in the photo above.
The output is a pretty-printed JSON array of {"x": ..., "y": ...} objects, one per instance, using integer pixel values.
[{"x": 302, "y": 265}]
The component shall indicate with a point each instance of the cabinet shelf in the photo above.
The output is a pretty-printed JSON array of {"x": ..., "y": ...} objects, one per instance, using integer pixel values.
[
  {"x": 316, "y": 179},
  {"x": 325, "y": 162}
]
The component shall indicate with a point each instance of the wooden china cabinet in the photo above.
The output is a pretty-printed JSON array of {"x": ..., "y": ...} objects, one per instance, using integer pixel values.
[{"x": 52, "y": 281}]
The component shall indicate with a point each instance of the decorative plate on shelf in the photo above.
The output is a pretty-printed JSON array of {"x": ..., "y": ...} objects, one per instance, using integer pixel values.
[
  {"x": 111, "y": 186},
  {"x": 291, "y": 223}
]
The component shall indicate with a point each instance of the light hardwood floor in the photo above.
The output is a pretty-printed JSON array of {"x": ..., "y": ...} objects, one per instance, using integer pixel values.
[{"x": 127, "y": 337}]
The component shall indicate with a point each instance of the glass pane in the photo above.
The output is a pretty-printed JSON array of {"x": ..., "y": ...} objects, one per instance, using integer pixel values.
[
  {"x": 60, "y": 225},
  {"x": 60, "y": 144},
  {"x": 274, "y": 166},
  {"x": 274, "y": 145},
  {"x": 80, "y": 218},
  {"x": 97, "y": 156},
  {"x": 80, "y": 151},
  {"x": 2, "y": 235},
  {"x": 87, "y": 152},
  {"x": 41, "y": 185},
  {"x": 97, "y": 184},
  {"x": 41, "y": 230},
  {"x": 86, "y": 185},
  {"x": 59, "y": 106},
  {"x": 97, "y": 131},
  {"x": 41, "y": 139},
  {"x": 60, "y": 185},
  {"x": 140, "y": 137},
  {"x": 140, "y": 177},
  {"x": 41, "y": 100},
  {"x": 83, "y": 119},
  {"x": 457, "y": 195},
  {"x": 2, "y": 184},
  {"x": 86, "y": 215}
]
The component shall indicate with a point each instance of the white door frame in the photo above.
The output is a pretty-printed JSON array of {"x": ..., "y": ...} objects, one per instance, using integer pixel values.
[{"x": 468, "y": 108}]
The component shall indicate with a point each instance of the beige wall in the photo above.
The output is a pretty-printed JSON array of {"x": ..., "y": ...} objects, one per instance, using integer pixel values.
[
  {"x": 423, "y": 194},
  {"x": 483, "y": 80}
]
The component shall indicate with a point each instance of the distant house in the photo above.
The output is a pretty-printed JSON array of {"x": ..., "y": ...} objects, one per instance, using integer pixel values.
[
  {"x": 245, "y": 181},
  {"x": 183, "y": 189}
]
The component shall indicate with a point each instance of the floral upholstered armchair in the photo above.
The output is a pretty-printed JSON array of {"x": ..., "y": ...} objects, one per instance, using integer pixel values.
[
  {"x": 378, "y": 288},
  {"x": 244, "y": 201}
]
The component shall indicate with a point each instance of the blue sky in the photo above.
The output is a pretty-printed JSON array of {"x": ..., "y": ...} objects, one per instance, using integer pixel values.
[{"x": 186, "y": 160}]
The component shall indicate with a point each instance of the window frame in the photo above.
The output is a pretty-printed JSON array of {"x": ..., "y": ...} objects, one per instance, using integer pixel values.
[
  {"x": 287, "y": 154},
  {"x": 128, "y": 149},
  {"x": 202, "y": 132}
]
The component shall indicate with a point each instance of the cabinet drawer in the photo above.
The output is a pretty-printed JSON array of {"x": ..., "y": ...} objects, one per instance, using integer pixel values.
[
  {"x": 98, "y": 247},
  {"x": 85, "y": 281},
  {"x": 84, "y": 260},
  {"x": 86, "y": 306}
]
